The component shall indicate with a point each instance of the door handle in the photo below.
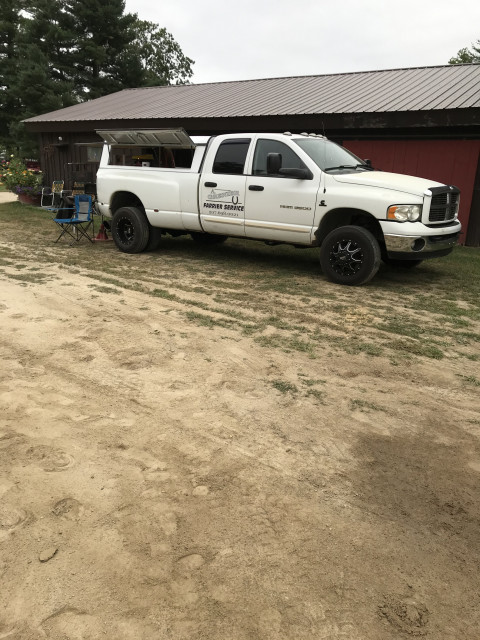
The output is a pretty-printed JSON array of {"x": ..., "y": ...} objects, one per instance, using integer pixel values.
[
  {"x": 210, "y": 184},
  {"x": 255, "y": 187}
]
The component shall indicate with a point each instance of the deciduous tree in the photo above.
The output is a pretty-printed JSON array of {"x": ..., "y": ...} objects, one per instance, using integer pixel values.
[
  {"x": 466, "y": 55},
  {"x": 160, "y": 57}
]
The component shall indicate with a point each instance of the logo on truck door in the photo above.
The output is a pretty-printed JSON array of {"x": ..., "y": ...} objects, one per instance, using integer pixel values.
[{"x": 223, "y": 202}]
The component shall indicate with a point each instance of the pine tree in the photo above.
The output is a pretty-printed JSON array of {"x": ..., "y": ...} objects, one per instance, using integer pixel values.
[
  {"x": 102, "y": 33},
  {"x": 34, "y": 91},
  {"x": 37, "y": 80},
  {"x": 53, "y": 31},
  {"x": 115, "y": 50},
  {"x": 10, "y": 20}
]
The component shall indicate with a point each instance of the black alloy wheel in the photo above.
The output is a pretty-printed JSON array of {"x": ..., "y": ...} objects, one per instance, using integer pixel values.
[
  {"x": 130, "y": 229},
  {"x": 350, "y": 255}
]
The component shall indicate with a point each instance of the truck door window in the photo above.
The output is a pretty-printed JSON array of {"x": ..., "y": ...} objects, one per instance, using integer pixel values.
[
  {"x": 231, "y": 156},
  {"x": 290, "y": 159}
]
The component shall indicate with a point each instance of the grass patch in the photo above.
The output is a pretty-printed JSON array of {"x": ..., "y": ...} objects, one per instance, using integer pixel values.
[
  {"x": 417, "y": 349},
  {"x": 30, "y": 278},
  {"x": 286, "y": 344},
  {"x": 309, "y": 382},
  {"x": 166, "y": 295},
  {"x": 284, "y": 387},
  {"x": 318, "y": 395},
  {"x": 364, "y": 405},
  {"x": 470, "y": 380},
  {"x": 368, "y": 348},
  {"x": 104, "y": 289},
  {"x": 209, "y": 321}
]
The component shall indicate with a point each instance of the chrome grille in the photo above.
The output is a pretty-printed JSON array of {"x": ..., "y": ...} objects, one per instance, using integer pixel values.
[{"x": 444, "y": 204}]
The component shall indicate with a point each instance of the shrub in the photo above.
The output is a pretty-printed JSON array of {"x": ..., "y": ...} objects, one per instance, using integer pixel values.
[{"x": 17, "y": 178}]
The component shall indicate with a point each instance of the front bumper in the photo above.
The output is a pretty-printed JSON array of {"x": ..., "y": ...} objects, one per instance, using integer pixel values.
[{"x": 420, "y": 247}]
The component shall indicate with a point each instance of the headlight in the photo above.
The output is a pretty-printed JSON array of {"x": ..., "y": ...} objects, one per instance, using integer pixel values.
[{"x": 404, "y": 212}]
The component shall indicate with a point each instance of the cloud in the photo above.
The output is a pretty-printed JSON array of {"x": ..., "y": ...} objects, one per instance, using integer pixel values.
[{"x": 258, "y": 39}]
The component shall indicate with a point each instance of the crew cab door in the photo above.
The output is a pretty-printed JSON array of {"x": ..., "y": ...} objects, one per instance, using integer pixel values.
[
  {"x": 277, "y": 206},
  {"x": 222, "y": 187}
]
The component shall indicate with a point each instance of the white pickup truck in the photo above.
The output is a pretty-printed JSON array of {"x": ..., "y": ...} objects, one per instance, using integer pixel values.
[{"x": 300, "y": 189}]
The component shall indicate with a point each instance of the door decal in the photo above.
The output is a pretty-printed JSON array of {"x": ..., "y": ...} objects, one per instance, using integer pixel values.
[{"x": 223, "y": 202}]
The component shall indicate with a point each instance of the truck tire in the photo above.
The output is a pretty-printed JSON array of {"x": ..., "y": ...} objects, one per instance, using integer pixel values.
[
  {"x": 130, "y": 229},
  {"x": 350, "y": 255},
  {"x": 208, "y": 238}
]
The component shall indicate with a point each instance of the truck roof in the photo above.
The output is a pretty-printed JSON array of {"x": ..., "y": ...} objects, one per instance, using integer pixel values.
[{"x": 200, "y": 140}]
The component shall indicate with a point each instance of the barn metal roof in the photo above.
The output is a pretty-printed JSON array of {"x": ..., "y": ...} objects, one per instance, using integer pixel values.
[{"x": 414, "y": 89}]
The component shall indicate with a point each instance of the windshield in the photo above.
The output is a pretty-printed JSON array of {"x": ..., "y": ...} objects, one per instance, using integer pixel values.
[{"x": 330, "y": 156}]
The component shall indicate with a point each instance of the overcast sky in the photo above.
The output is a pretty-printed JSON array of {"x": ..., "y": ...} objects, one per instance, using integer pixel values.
[{"x": 248, "y": 39}]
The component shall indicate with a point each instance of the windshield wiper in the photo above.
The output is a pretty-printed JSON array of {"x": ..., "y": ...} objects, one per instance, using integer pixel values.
[
  {"x": 341, "y": 166},
  {"x": 350, "y": 166},
  {"x": 367, "y": 167}
]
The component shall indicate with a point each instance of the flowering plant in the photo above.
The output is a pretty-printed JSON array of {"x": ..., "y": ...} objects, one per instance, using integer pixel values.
[{"x": 17, "y": 178}]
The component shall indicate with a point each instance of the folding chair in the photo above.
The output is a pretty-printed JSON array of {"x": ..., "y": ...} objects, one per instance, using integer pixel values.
[
  {"x": 78, "y": 188},
  {"x": 69, "y": 196},
  {"x": 80, "y": 224},
  {"x": 52, "y": 196}
]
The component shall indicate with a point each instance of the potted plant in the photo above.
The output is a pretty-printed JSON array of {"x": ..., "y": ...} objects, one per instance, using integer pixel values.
[{"x": 26, "y": 183}]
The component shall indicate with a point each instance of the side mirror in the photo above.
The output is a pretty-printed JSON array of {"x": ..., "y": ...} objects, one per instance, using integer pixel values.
[
  {"x": 274, "y": 167},
  {"x": 274, "y": 163},
  {"x": 301, "y": 174},
  {"x": 368, "y": 162}
]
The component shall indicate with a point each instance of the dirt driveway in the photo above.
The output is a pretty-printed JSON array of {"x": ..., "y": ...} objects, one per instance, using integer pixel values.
[
  {"x": 7, "y": 196},
  {"x": 166, "y": 475}
]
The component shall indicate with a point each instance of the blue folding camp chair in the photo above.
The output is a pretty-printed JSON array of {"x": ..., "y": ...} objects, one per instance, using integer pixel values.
[{"x": 80, "y": 224}]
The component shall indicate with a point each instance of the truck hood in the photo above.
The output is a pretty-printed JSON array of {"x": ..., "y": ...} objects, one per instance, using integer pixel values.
[{"x": 392, "y": 181}]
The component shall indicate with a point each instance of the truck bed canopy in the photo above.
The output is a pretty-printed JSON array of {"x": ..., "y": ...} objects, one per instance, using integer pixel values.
[{"x": 174, "y": 138}]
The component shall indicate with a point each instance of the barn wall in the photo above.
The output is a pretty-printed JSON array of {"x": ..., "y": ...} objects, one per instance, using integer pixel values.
[
  {"x": 448, "y": 161},
  {"x": 473, "y": 231},
  {"x": 64, "y": 159}
]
